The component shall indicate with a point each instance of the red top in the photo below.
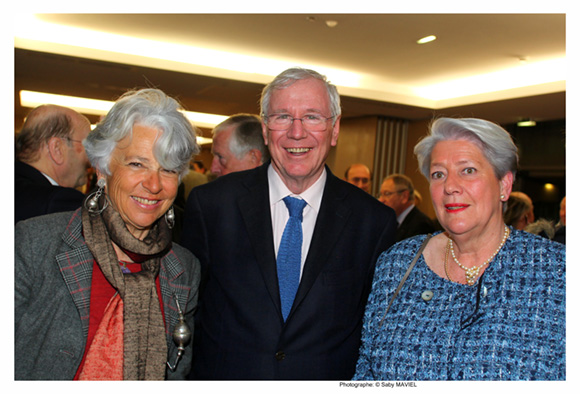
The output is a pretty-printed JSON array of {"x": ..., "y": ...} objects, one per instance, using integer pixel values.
[{"x": 101, "y": 293}]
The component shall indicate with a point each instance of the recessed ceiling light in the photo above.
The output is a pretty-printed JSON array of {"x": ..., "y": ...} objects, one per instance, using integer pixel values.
[
  {"x": 526, "y": 123},
  {"x": 427, "y": 39},
  {"x": 331, "y": 23}
]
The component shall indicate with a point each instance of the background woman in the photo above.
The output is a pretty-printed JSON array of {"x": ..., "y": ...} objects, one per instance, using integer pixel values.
[
  {"x": 99, "y": 291},
  {"x": 484, "y": 301}
]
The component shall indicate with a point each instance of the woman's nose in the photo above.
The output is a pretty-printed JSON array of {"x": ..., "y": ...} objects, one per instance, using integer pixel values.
[
  {"x": 153, "y": 182},
  {"x": 452, "y": 184}
]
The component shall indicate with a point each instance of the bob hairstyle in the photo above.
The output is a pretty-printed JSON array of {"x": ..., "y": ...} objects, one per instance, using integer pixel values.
[
  {"x": 291, "y": 75},
  {"x": 495, "y": 143},
  {"x": 175, "y": 145}
]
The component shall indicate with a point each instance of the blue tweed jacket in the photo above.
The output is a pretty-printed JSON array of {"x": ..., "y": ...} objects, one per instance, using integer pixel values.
[
  {"x": 511, "y": 325},
  {"x": 52, "y": 286}
]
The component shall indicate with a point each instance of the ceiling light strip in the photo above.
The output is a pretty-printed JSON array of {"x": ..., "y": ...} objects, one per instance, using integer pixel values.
[{"x": 88, "y": 106}]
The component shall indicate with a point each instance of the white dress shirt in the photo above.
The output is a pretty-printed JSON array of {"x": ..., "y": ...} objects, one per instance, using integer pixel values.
[
  {"x": 52, "y": 181},
  {"x": 404, "y": 214},
  {"x": 280, "y": 215}
]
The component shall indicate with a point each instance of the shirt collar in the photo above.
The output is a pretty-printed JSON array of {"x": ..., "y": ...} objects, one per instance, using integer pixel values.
[
  {"x": 52, "y": 181},
  {"x": 404, "y": 214},
  {"x": 312, "y": 195}
]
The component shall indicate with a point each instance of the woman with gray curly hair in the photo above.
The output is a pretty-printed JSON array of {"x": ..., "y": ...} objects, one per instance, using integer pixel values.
[
  {"x": 479, "y": 300},
  {"x": 102, "y": 293}
]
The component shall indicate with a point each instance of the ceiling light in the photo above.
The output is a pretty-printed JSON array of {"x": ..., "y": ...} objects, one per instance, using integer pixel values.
[
  {"x": 34, "y": 34},
  {"x": 427, "y": 39},
  {"x": 544, "y": 72},
  {"x": 88, "y": 106},
  {"x": 330, "y": 23},
  {"x": 526, "y": 123}
]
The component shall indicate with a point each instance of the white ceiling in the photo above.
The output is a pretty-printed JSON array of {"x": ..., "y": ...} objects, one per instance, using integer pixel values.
[{"x": 380, "y": 49}]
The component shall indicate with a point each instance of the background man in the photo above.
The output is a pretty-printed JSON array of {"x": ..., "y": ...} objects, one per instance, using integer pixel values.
[
  {"x": 238, "y": 145},
  {"x": 397, "y": 192},
  {"x": 360, "y": 176},
  {"x": 265, "y": 313},
  {"x": 50, "y": 162},
  {"x": 561, "y": 225}
]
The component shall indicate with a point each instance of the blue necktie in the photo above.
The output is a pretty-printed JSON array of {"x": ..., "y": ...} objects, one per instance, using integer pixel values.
[{"x": 289, "y": 254}]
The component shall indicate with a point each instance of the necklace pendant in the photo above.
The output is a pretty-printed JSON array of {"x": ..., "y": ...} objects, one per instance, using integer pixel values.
[{"x": 471, "y": 275}]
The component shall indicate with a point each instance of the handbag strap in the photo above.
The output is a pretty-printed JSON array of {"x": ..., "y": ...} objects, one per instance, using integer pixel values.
[{"x": 405, "y": 277}]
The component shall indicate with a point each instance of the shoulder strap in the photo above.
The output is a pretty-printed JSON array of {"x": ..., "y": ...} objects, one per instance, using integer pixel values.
[{"x": 405, "y": 277}]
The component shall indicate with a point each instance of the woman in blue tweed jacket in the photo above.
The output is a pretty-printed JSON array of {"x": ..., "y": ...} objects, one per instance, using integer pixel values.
[{"x": 484, "y": 301}]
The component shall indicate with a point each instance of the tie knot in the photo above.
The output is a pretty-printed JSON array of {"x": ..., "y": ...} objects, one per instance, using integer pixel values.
[{"x": 295, "y": 207}]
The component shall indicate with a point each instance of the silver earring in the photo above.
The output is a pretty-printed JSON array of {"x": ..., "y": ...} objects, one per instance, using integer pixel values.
[
  {"x": 170, "y": 218},
  {"x": 502, "y": 196},
  {"x": 92, "y": 201}
]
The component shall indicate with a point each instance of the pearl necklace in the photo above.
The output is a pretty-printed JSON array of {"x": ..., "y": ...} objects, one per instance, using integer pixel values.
[{"x": 471, "y": 274}]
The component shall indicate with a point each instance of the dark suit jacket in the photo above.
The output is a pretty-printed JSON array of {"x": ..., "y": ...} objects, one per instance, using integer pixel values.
[
  {"x": 34, "y": 195},
  {"x": 415, "y": 223},
  {"x": 241, "y": 333}
]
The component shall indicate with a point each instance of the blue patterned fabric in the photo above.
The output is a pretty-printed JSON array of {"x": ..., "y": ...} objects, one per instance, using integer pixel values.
[
  {"x": 509, "y": 326},
  {"x": 289, "y": 254}
]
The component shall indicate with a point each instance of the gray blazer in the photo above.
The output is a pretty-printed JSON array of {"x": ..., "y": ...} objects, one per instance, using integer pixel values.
[{"x": 52, "y": 286}]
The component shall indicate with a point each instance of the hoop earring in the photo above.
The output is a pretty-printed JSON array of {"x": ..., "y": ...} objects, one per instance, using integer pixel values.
[
  {"x": 170, "y": 218},
  {"x": 92, "y": 201}
]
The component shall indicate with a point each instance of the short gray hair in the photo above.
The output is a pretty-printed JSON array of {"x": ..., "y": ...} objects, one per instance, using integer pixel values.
[
  {"x": 291, "y": 75},
  {"x": 173, "y": 149},
  {"x": 516, "y": 207},
  {"x": 247, "y": 135},
  {"x": 495, "y": 143},
  {"x": 405, "y": 182}
]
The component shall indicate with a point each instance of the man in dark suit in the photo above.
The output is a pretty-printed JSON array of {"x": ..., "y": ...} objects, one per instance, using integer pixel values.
[
  {"x": 250, "y": 325},
  {"x": 398, "y": 192},
  {"x": 50, "y": 162}
]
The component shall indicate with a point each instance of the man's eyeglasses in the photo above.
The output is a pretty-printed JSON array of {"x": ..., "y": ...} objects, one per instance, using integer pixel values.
[
  {"x": 281, "y": 122},
  {"x": 388, "y": 194}
]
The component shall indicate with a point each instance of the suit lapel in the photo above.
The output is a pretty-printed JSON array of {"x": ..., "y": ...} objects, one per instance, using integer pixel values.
[
  {"x": 75, "y": 262},
  {"x": 333, "y": 216},
  {"x": 172, "y": 288},
  {"x": 254, "y": 206}
]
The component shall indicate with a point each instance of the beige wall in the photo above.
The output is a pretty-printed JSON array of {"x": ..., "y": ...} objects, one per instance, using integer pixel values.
[
  {"x": 356, "y": 144},
  {"x": 416, "y": 131}
]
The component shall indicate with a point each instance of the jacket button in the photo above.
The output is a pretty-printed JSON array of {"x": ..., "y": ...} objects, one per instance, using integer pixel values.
[
  {"x": 280, "y": 355},
  {"x": 427, "y": 295}
]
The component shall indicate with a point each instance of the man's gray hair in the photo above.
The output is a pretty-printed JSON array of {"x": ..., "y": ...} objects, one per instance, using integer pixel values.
[
  {"x": 288, "y": 77},
  {"x": 247, "y": 135}
]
